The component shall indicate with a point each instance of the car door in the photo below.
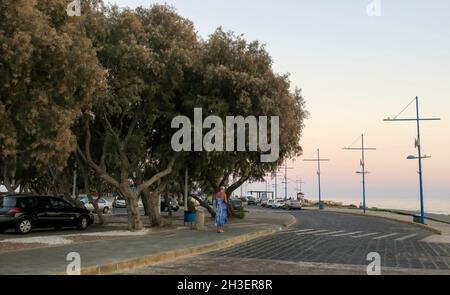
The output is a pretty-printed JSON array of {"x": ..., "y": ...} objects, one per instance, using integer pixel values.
[
  {"x": 65, "y": 214},
  {"x": 44, "y": 212}
]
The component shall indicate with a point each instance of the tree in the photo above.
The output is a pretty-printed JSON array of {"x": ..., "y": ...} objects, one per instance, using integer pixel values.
[
  {"x": 147, "y": 54},
  {"x": 43, "y": 86},
  {"x": 236, "y": 78}
]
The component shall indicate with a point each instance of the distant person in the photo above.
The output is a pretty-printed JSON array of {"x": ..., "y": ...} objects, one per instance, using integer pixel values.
[{"x": 221, "y": 209}]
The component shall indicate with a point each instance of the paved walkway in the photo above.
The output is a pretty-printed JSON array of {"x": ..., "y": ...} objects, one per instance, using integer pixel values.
[{"x": 138, "y": 250}]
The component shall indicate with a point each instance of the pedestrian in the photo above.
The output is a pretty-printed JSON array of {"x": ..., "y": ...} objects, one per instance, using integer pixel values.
[{"x": 221, "y": 209}]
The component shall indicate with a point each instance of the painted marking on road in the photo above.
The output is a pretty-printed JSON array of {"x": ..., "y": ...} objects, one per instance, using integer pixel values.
[
  {"x": 407, "y": 237},
  {"x": 365, "y": 235},
  {"x": 331, "y": 233},
  {"x": 296, "y": 231},
  {"x": 386, "y": 236},
  {"x": 304, "y": 230},
  {"x": 348, "y": 234},
  {"x": 312, "y": 232}
]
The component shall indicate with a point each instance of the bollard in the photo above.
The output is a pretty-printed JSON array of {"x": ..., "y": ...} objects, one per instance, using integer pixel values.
[{"x": 200, "y": 221}]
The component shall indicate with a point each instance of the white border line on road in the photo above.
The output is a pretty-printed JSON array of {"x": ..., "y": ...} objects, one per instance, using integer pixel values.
[
  {"x": 386, "y": 236},
  {"x": 331, "y": 233},
  {"x": 348, "y": 234},
  {"x": 296, "y": 231},
  {"x": 312, "y": 232},
  {"x": 407, "y": 237},
  {"x": 365, "y": 235}
]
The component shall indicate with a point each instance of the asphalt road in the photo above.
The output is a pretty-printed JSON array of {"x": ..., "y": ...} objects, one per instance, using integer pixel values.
[{"x": 322, "y": 242}]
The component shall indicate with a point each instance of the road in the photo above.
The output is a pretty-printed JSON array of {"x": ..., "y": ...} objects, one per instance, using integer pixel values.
[{"x": 323, "y": 243}]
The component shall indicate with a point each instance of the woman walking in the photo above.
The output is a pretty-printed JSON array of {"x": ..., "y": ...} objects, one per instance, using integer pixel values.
[{"x": 221, "y": 209}]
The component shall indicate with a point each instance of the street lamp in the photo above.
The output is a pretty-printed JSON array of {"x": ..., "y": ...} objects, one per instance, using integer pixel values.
[
  {"x": 418, "y": 145},
  {"x": 318, "y": 160},
  {"x": 363, "y": 149},
  {"x": 411, "y": 157}
]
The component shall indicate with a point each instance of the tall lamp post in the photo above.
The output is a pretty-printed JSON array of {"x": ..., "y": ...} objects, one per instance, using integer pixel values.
[
  {"x": 318, "y": 160},
  {"x": 419, "y": 149},
  {"x": 363, "y": 167}
]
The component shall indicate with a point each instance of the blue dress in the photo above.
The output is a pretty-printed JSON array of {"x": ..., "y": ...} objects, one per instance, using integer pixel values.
[{"x": 221, "y": 212}]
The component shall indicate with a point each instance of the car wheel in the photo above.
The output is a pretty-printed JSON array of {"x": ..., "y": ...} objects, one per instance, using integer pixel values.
[
  {"x": 83, "y": 222},
  {"x": 24, "y": 226},
  {"x": 106, "y": 210}
]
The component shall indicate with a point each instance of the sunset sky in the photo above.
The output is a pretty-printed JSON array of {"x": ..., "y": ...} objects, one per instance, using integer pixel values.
[{"x": 354, "y": 70}]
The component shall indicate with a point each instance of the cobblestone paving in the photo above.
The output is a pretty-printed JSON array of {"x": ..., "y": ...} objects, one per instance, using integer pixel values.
[{"x": 327, "y": 237}]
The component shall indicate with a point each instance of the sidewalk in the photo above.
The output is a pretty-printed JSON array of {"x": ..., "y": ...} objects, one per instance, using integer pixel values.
[
  {"x": 129, "y": 252},
  {"x": 441, "y": 230}
]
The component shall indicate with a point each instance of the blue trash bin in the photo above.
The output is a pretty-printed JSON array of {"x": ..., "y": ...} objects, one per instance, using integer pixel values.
[{"x": 190, "y": 217}]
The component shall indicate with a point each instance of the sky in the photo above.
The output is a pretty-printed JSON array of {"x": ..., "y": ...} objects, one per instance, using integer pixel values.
[{"x": 354, "y": 70}]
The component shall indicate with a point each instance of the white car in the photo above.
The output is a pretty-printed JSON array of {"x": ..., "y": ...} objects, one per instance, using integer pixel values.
[
  {"x": 293, "y": 205},
  {"x": 103, "y": 204},
  {"x": 278, "y": 204},
  {"x": 119, "y": 202},
  {"x": 270, "y": 203}
]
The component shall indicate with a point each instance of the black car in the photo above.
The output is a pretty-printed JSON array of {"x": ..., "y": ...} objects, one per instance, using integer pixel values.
[
  {"x": 237, "y": 204},
  {"x": 251, "y": 201},
  {"x": 25, "y": 212}
]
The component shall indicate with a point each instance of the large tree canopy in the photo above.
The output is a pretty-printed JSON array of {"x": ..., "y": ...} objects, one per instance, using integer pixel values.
[
  {"x": 48, "y": 72},
  {"x": 147, "y": 54},
  {"x": 237, "y": 79},
  {"x": 104, "y": 87}
]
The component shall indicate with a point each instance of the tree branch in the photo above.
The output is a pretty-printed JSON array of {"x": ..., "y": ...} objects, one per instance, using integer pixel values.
[{"x": 158, "y": 176}]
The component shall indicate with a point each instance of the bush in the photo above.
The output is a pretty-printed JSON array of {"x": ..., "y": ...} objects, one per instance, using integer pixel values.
[{"x": 240, "y": 214}]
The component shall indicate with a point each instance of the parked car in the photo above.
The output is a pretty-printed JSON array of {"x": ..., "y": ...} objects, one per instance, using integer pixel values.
[
  {"x": 103, "y": 204},
  {"x": 270, "y": 203},
  {"x": 251, "y": 201},
  {"x": 278, "y": 204},
  {"x": 237, "y": 204},
  {"x": 264, "y": 202},
  {"x": 173, "y": 205},
  {"x": 293, "y": 205},
  {"x": 25, "y": 212},
  {"x": 119, "y": 202}
]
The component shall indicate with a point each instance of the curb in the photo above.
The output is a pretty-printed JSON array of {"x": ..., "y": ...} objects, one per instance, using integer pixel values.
[
  {"x": 139, "y": 262},
  {"x": 423, "y": 226}
]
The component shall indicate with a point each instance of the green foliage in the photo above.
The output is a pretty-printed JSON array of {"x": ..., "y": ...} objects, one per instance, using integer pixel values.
[
  {"x": 43, "y": 84},
  {"x": 107, "y": 85},
  {"x": 240, "y": 214}
]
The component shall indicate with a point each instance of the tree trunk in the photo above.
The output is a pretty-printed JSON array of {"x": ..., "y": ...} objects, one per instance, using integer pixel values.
[
  {"x": 155, "y": 204},
  {"x": 87, "y": 190},
  {"x": 145, "y": 202},
  {"x": 134, "y": 217},
  {"x": 204, "y": 204}
]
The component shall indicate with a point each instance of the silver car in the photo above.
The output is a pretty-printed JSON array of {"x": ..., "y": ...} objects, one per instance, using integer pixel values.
[
  {"x": 103, "y": 204},
  {"x": 294, "y": 205}
]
